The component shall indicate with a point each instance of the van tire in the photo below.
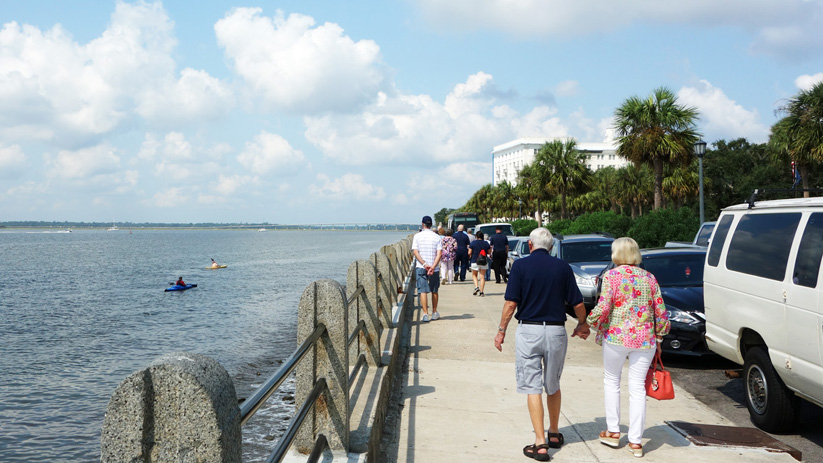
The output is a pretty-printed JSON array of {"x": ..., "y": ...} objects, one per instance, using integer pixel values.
[{"x": 772, "y": 406}]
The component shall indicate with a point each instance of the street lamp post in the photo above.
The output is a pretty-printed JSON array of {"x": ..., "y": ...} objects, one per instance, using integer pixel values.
[{"x": 699, "y": 151}]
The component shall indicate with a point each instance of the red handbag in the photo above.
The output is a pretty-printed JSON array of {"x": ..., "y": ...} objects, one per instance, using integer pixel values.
[{"x": 659, "y": 381}]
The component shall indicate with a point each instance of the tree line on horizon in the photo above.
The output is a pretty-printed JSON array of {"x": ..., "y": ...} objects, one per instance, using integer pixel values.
[{"x": 657, "y": 135}]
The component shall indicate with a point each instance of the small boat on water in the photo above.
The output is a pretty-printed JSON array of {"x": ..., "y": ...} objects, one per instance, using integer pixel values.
[
  {"x": 180, "y": 288},
  {"x": 113, "y": 227},
  {"x": 215, "y": 267},
  {"x": 262, "y": 230}
]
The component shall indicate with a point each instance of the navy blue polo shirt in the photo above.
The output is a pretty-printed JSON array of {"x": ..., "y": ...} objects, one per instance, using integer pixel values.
[
  {"x": 462, "y": 240},
  {"x": 541, "y": 285},
  {"x": 499, "y": 241}
]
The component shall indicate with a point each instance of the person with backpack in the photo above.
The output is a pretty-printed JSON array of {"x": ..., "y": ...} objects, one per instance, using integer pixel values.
[{"x": 479, "y": 253}]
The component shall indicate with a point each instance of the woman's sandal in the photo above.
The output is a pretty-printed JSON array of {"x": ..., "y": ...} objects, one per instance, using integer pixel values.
[
  {"x": 557, "y": 444},
  {"x": 531, "y": 451},
  {"x": 608, "y": 438},
  {"x": 636, "y": 451}
]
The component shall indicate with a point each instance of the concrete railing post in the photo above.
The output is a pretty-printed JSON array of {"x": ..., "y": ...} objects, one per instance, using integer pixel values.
[
  {"x": 386, "y": 289},
  {"x": 182, "y": 408},
  {"x": 363, "y": 273},
  {"x": 324, "y": 301}
]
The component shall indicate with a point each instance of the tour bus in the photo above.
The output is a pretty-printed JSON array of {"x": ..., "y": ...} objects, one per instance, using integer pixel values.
[{"x": 467, "y": 219}]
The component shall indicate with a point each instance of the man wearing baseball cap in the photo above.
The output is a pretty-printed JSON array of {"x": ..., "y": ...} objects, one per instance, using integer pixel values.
[{"x": 427, "y": 248}]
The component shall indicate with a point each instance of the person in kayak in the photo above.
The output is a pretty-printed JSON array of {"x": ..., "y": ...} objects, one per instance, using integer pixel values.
[
  {"x": 214, "y": 264},
  {"x": 180, "y": 282}
]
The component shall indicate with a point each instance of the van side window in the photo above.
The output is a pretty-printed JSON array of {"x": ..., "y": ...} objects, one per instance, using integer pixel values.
[
  {"x": 761, "y": 243},
  {"x": 807, "y": 265},
  {"x": 719, "y": 239}
]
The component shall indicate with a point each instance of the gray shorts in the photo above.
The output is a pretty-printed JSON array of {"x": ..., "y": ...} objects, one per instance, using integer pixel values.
[
  {"x": 540, "y": 355},
  {"x": 427, "y": 283}
]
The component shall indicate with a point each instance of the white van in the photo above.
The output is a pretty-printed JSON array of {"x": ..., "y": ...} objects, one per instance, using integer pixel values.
[{"x": 763, "y": 295}]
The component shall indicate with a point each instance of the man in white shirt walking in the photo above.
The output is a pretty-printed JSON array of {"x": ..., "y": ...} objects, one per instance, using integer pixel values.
[{"x": 427, "y": 247}]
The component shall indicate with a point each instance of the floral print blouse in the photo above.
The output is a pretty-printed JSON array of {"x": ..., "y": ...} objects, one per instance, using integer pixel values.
[
  {"x": 625, "y": 313},
  {"x": 449, "y": 249}
]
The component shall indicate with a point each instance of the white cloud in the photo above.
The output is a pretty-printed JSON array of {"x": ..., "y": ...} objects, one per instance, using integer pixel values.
[
  {"x": 11, "y": 157},
  {"x": 83, "y": 163},
  {"x": 806, "y": 82},
  {"x": 71, "y": 94},
  {"x": 149, "y": 147},
  {"x": 271, "y": 153},
  {"x": 170, "y": 197},
  {"x": 415, "y": 129},
  {"x": 293, "y": 65},
  {"x": 722, "y": 117},
  {"x": 195, "y": 96},
  {"x": 227, "y": 185},
  {"x": 348, "y": 187},
  {"x": 777, "y": 27},
  {"x": 567, "y": 88}
]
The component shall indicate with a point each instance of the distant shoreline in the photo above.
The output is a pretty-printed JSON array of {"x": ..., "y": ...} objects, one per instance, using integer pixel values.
[{"x": 52, "y": 226}]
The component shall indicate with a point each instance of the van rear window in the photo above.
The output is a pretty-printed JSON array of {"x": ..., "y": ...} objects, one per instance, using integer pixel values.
[
  {"x": 807, "y": 265},
  {"x": 761, "y": 243},
  {"x": 719, "y": 240}
]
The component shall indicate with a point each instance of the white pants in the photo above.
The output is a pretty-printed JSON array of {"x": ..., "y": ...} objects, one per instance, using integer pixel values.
[
  {"x": 447, "y": 270},
  {"x": 614, "y": 357}
]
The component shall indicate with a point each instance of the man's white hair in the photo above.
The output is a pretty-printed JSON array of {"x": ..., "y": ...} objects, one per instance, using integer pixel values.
[{"x": 541, "y": 238}]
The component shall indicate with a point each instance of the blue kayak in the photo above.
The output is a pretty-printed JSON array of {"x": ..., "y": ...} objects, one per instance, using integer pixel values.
[{"x": 180, "y": 288}]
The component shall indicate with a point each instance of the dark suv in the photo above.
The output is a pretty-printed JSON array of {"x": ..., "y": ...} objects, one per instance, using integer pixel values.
[{"x": 588, "y": 255}]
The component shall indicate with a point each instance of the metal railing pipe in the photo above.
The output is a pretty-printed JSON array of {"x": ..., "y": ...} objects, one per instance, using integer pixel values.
[
  {"x": 250, "y": 406},
  {"x": 286, "y": 440}
]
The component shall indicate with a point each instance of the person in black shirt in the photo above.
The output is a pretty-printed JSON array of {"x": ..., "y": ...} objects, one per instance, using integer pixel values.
[
  {"x": 500, "y": 254},
  {"x": 461, "y": 260}
]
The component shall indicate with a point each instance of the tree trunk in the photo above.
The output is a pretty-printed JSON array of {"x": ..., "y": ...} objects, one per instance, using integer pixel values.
[
  {"x": 804, "y": 179},
  {"x": 563, "y": 214},
  {"x": 658, "y": 184}
]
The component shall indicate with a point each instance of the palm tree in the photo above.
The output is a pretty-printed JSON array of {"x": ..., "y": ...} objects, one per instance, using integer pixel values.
[
  {"x": 798, "y": 137},
  {"x": 681, "y": 183},
  {"x": 566, "y": 169},
  {"x": 507, "y": 198},
  {"x": 633, "y": 187},
  {"x": 656, "y": 131},
  {"x": 531, "y": 182}
]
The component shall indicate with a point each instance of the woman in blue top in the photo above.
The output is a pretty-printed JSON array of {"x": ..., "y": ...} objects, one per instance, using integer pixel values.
[{"x": 477, "y": 248}]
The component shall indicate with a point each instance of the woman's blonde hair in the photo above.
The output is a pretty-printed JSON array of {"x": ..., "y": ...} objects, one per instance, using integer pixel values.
[{"x": 625, "y": 251}]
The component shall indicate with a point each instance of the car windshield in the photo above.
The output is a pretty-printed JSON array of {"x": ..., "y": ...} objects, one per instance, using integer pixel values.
[
  {"x": 490, "y": 230},
  {"x": 678, "y": 270},
  {"x": 587, "y": 251}
]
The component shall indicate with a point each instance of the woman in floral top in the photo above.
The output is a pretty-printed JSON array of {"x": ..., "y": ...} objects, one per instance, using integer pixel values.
[
  {"x": 447, "y": 258},
  {"x": 631, "y": 318}
]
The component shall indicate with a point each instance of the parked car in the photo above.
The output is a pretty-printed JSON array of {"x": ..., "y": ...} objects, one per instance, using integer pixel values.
[
  {"x": 679, "y": 272},
  {"x": 701, "y": 238},
  {"x": 588, "y": 255},
  {"x": 518, "y": 247},
  {"x": 764, "y": 303}
]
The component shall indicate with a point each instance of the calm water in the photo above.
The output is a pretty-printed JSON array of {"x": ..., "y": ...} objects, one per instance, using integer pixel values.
[{"x": 79, "y": 312}]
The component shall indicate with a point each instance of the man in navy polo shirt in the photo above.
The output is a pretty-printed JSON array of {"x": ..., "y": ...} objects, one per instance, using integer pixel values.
[
  {"x": 461, "y": 260},
  {"x": 539, "y": 288}
]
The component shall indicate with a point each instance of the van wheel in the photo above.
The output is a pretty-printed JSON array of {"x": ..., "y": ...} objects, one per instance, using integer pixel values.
[{"x": 772, "y": 406}]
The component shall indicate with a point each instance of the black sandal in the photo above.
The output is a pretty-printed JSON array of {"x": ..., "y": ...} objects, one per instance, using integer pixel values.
[
  {"x": 531, "y": 452},
  {"x": 560, "y": 440}
]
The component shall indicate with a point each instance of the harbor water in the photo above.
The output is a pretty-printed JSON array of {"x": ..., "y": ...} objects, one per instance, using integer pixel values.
[{"x": 81, "y": 311}]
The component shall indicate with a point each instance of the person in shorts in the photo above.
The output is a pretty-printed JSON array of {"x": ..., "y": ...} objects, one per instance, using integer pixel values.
[
  {"x": 427, "y": 248},
  {"x": 476, "y": 248},
  {"x": 539, "y": 288}
]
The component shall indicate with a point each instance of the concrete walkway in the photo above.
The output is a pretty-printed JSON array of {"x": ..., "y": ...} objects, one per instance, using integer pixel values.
[{"x": 460, "y": 401}]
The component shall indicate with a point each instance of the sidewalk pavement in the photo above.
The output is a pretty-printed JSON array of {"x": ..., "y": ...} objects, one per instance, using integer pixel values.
[{"x": 460, "y": 401}]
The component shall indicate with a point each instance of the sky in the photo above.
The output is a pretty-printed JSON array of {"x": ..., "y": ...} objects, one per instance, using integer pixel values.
[{"x": 352, "y": 112}]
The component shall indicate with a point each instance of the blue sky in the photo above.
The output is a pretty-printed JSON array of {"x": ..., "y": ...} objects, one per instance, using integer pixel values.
[{"x": 371, "y": 111}]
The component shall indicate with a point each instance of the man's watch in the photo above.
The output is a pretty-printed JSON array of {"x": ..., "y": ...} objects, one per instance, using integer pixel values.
[{"x": 501, "y": 329}]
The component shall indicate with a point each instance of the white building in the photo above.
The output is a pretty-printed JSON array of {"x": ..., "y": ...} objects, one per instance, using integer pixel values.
[{"x": 509, "y": 158}]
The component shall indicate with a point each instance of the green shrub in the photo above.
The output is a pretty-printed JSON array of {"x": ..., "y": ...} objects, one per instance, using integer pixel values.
[
  {"x": 655, "y": 228},
  {"x": 561, "y": 226},
  {"x": 522, "y": 227},
  {"x": 615, "y": 224}
]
